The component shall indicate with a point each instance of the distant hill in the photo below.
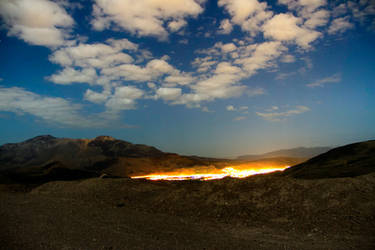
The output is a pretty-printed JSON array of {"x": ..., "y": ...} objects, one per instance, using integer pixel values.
[
  {"x": 346, "y": 161},
  {"x": 46, "y": 157},
  {"x": 300, "y": 152}
]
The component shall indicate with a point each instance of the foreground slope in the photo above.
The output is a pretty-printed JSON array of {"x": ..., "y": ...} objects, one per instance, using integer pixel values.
[
  {"x": 347, "y": 161},
  {"x": 259, "y": 212}
]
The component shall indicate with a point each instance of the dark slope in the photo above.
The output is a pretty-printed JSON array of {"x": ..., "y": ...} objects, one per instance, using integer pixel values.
[
  {"x": 78, "y": 153},
  {"x": 301, "y": 152},
  {"x": 347, "y": 161},
  {"x": 46, "y": 158}
]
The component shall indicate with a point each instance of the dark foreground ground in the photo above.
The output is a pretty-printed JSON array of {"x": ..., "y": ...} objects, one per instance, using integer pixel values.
[{"x": 260, "y": 212}]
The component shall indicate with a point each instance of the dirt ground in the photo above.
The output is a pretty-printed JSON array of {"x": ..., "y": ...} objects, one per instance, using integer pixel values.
[{"x": 260, "y": 212}]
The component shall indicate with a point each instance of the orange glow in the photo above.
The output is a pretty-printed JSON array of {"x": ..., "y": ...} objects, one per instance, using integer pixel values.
[{"x": 208, "y": 175}]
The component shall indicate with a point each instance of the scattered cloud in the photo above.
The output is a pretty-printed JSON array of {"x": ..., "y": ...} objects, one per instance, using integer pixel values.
[
  {"x": 126, "y": 73},
  {"x": 317, "y": 19},
  {"x": 168, "y": 94},
  {"x": 282, "y": 76},
  {"x": 144, "y": 17},
  {"x": 255, "y": 91},
  {"x": 226, "y": 27},
  {"x": 123, "y": 98},
  {"x": 250, "y": 15},
  {"x": 340, "y": 25},
  {"x": 176, "y": 25},
  {"x": 71, "y": 75},
  {"x": 54, "y": 110},
  {"x": 260, "y": 56},
  {"x": 288, "y": 59},
  {"x": 96, "y": 97},
  {"x": 37, "y": 22},
  {"x": 288, "y": 28},
  {"x": 241, "y": 109},
  {"x": 330, "y": 79},
  {"x": 275, "y": 116}
]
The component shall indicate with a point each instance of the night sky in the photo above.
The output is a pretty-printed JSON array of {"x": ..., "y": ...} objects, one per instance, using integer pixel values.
[{"x": 211, "y": 78}]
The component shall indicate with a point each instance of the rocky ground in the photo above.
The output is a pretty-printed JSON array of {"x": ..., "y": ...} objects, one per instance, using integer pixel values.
[{"x": 259, "y": 212}]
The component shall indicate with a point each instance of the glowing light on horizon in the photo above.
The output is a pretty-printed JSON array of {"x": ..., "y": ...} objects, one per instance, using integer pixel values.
[{"x": 219, "y": 174}]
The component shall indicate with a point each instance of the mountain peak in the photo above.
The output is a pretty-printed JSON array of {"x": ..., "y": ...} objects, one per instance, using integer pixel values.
[
  {"x": 104, "y": 138},
  {"x": 41, "y": 138}
]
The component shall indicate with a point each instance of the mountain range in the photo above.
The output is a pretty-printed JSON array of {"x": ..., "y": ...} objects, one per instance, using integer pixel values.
[
  {"x": 46, "y": 158},
  {"x": 300, "y": 152}
]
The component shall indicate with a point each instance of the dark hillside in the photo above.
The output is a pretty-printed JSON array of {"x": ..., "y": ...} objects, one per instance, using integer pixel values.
[{"x": 346, "y": 161}]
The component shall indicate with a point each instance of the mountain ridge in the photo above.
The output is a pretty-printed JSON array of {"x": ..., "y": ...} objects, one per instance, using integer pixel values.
[{"x": 297, "y": 152}]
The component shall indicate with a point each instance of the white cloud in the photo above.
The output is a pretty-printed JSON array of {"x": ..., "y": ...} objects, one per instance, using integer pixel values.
[
  {"x": 340, "y": 10},
  {"x": 181, "y": 79},
  {"x": 287, "y": 28},
  {"x": 144, "y": 17},
  {"x": 317, "y": 19},
  {"x": 226, "y": 27},
  {"x": 38, "y": 22},
  {"x": 248, "y": 14},
  {"x": 107, "y": 64},
  {"x": 363, "y": 11},
  {"x": 255, "y": 91},
  {"x": 124, "y": 98},
  {"x": 261, "y": 56},
  {"x": 282, "y": 76},
  {"x": 54, "y": 110},
  {"x": 99, "y": 55},
  {"x": 71, "y": 75},
  {"x": 226, "y": 48},
  {"x": 320, "y": 83},
  {"x": 83, "y": 63},
  {"x": 241, "y": 109},
  {"x": 272, "y": 115},
  {"x": 153, "y": 70},
  {"x": 176, "y": 25},
  {"x": 168, "y": 94},
  {"x": 227, "y": 68},
  {"x": 96, "y": 97},
  {"x": 340, "y": 25},
  {"x": 305, "y": 6},
  {"x": 288, "y": 59}
]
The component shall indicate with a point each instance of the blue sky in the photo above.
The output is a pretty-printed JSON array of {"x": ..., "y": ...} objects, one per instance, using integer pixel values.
[{"x": 213, "y": 78}]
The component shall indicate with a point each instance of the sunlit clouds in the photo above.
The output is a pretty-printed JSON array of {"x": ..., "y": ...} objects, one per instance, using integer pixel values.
[
  {"x": 228, "y": 61},
  {"x": 275, "y": 115},
  {"x": 24, "y": 19}
]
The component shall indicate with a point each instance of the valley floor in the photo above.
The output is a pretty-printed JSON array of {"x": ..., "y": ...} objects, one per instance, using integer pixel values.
[{"x": 80, "y": 215}]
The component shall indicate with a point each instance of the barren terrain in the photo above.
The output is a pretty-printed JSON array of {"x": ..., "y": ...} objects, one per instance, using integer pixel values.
[
  {"x": 52, "y": 198},
  {"x": 259, "y": 212}
]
